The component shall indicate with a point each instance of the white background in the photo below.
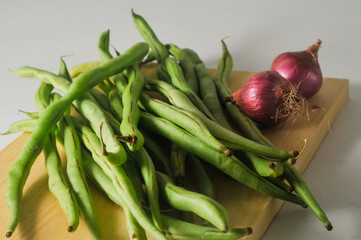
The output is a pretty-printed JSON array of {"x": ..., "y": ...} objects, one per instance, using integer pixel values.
[{"x": 38, "y": 33}]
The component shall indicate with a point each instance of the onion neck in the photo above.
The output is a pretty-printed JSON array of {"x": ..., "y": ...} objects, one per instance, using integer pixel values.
[{"x": 313, "y": 50}]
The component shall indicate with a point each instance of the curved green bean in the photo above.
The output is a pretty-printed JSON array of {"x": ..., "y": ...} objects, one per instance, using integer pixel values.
[
  {"x": 189, "y": 201},
  {"x": 25, "y": 125}
]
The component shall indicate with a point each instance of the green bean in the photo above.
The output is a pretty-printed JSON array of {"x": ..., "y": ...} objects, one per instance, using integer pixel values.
[
  {"x": 116, "y": 104},
  {"x": 101, "y": 98},
  {"x": 20, "y": 169},
  {"x": 300, "y": 187},
  {"x": 229, "y": 165},
  {"x": 200, "y": 177},
  {"x": 89, "y": 109},
  {"x": 187, "y": 120},
  {"x": 30, "y": 114},
  {"x": 260, "y": 165},
  {"x": 233, "y": 140},
  {"x": 189, "y": 201},
  {"x": 162, "y": 73},
  {"x": 120, "y": 180},
  {"x": 180, "y": 230},
  {"x": 96, "y": 174},
  {"x": 187, "y": 66},
  {"x": 128, "y": 126},
  {"x": 103, "y": 46},
  {"x": 158, "y": 153},
  {"x": 58, "y": 184},
  {"x": 147, "y": 169},
  {"x": 83, "y": 67},
  {"x": 161, "y": 52},
  {"x": 177, "y": 162},
  {"x": 179, "y": 82},
  {"x": 279, "y": 182},
  {"x": 76, "y": 176},
  {"x": 26, "y": 125},
  {"x": 150, "y": 57}
]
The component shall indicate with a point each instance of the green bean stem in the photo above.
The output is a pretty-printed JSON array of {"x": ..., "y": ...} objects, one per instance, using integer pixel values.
[{"x": 20, "y": 169}]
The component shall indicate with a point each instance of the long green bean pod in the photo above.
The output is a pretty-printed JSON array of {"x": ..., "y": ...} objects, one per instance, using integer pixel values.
[
  {"x": 187, "y": 66},
  {"x": 25, "y": 125},
  {"x": 83, "y": 67},
  {"x": 229, "y": 165},
  {"x": 120, "y": 180},
  {"x": 176, "y": 75},
  {"x": 76, "y": 176},
  {"x": 185, "y": 119},
  {"x": 233, "y": 140},
  {"x": 149, "y": 36},
  {"x": 97, "y": 176},
  {"x": 128, "y": 126},
  {"x": 58, "y": 184},
  {"x": 147, "y": 170},
  {"x": 189, "y": 201},
  {"x": 20, "y": 169}
]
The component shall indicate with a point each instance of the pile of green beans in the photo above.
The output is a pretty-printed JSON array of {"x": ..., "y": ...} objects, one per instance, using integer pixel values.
[{"x": 145, "y": 153}]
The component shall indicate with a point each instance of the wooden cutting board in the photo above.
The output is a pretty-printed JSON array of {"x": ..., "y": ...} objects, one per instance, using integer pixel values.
[{"x": 42, "y": 218}]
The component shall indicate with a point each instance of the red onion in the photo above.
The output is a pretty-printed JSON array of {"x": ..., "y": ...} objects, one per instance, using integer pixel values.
[
  {"x": 301, "y": 69},
  {"x": 262, "y": 97}
]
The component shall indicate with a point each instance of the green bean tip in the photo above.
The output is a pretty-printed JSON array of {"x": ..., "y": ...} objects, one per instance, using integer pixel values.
[
  {"x": 228, "y": 153},
  {"x": 9, "y": 234},
  {"x": 249, "y": 231},
  {"x": 271, "y": 165},
  {"x": 329, "y": 226},
  {"x": 295, "y": 153},
  {"x": 70, "y": 228}
]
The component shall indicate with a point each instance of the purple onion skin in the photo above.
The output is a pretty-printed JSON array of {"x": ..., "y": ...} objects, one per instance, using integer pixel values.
[
  {"x": 260, "y": 96},
  {"x": 301, "y": 69}
]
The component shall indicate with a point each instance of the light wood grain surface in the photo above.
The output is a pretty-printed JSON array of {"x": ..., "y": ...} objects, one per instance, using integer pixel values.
[{"x": 42, "y": 218}]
